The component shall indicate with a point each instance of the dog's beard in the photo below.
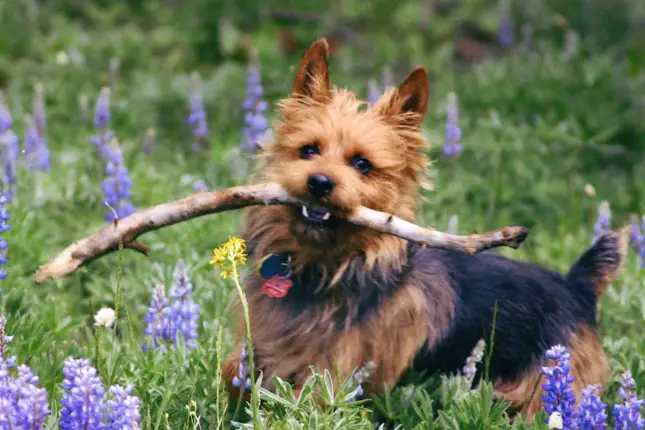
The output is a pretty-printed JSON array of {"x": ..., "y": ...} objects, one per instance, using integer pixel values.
[{"x": 314, "y": 225}]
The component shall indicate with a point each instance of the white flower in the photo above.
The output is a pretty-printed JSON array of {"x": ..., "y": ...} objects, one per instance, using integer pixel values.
[
  {"x": 105, "y": 317},
  {"x": 555, "y": 421},
  {"x": 62, "y": 58}
]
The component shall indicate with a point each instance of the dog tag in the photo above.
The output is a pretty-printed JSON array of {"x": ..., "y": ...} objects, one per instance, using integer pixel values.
[{"x": 277, "y": 286}]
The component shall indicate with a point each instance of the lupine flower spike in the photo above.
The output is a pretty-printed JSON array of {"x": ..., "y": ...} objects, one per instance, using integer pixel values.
[
  {"x": 359, "y": 378},
  {"x": 197, "y": 117},
  {"x": 603, "y": 223},
  {"x": 157, "y": 322},
  {"x": 255, "y": 123},
  {"x": 635, "y": 234},
  {"x": 199, "y": 185},
  {"x": 558, "y": 393},
  {"x": 243, "y": 371},
  {"x": 82, "y": 400},
  {"x": 592, "y": 411},
  {"x": 23, "y": 405},
  {"x": 628, "y": 415},
  {"x": 102, "y": 123},
  {"x": 184, "y": 312},
  {"x": 452, "y": 147},
  {"x": 470, "y": 369},
  {"x": 374, "y": 92},
  {"x": 642, "y": 250},
  {"x": 123, "y": 409},
  {"x": 9, "y": 149},
  {"x": 505, "y": 35},
  {"x": 4, "y": 227},
  {"x": 117, "y": 186}
]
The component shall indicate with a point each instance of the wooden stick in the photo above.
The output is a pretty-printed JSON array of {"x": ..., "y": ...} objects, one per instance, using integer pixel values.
[{"x": 125, "y": 232}]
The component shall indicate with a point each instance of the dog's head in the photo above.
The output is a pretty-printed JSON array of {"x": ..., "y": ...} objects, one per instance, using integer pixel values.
[{"x": 334, "y": 154}]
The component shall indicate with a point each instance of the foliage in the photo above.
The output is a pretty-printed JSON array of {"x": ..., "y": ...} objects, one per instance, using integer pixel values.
[{"x": 538, "y": 125}]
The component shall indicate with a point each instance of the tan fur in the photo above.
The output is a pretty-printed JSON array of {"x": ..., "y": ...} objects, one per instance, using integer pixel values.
[
  {"x": 609, "y": 272},
  {"x": 589, "y": 365},
  {"x": 286, "y": 347}
]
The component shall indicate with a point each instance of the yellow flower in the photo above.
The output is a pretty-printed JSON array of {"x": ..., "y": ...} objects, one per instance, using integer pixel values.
[
  {"x": 233, "y": 251},
  {"x": 219, "y": 257}
]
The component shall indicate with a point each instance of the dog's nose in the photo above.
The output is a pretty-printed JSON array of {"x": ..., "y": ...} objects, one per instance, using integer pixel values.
[{"x": 320, "y": 185}]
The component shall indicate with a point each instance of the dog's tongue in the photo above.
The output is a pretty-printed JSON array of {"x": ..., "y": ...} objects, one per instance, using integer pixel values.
[{"x": 277, "y": 286}]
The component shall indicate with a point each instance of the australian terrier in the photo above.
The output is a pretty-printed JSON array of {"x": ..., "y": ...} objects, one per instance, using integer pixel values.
[{"x": 353, "y": 295}]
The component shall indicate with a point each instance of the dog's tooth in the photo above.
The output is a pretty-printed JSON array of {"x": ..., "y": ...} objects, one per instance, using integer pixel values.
[
  {"x": 326, "y": 216},
  {"x": 304, "y": 211}
]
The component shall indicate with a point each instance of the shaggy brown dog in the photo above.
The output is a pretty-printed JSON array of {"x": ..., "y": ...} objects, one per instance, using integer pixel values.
[{"x": 359, "y": 295}]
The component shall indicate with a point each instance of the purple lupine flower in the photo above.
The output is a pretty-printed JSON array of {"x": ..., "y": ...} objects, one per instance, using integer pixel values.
[
  {"x": 243, "y": 370},
  {"x": 642, "y": 250},
  {"x": 505, "y": 33},
  {"x": 5, "y": 339},
  {"x": 199, "y": 185},
  {"x": 157, "y": 322},
  {"x": 36, "y": 151},
  {"x": 23, "y": 405},
  {"x": 603, "y": 223},
  {"x": 102, "y": 123},
  {"x": 256, "y": 124},
  {"x": 82, "y": 401},
  {"x": 470, "y": 368},
  {"x": 123, "y": 409},
  {"x": 558, "y": 393},
  {"x": 27, "y": 404},
  {"x": 197, "y": 117},
  {"x": 636, "y": 236},
  {"x": 452, "y": 147},
  {"x": 374, "y": 92},
  {"x": 183, "y": 313},
  {"x": 117, "y": 186},
  {"x": 628, "y": 415},
  {"x": 4, "y": 226},
  {"x": 592, "y": 411},
  {"x": 358, "y": 378},
  {"x": 9, "y": 148}
]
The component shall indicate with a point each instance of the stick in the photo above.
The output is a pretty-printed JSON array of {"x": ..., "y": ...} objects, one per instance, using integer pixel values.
[{"x": 127, "y": 230}]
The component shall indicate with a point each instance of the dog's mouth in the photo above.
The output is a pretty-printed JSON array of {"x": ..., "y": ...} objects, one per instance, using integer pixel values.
[{"x": 316, "y": 215}]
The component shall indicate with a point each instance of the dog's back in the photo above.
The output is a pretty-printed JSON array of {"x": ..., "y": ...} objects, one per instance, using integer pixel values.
[{"x": 523, "y": 309}]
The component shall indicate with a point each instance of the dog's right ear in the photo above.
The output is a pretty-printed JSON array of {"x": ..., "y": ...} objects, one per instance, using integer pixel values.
[{"x": 312, "y": 79}]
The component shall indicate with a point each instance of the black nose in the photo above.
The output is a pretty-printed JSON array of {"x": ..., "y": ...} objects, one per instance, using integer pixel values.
[{"x": 320, "y": 185}]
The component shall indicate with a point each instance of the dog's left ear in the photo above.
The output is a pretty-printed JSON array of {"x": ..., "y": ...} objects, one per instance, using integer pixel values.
[
  {"x": 312, "y": 79},
  {"x": 409, "y": 102}
]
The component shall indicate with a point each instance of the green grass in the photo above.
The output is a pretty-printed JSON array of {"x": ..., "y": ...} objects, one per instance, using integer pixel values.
[{"x": 536, "y": 130}]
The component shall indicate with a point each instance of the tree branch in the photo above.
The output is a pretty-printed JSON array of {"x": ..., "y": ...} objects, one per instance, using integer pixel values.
[{"x": 126, "y": 231}]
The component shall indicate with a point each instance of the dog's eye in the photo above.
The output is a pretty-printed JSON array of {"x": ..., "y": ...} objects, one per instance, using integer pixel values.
[
  {"x": 308, "y": 151},
  {"x": 361, "y": 164}
]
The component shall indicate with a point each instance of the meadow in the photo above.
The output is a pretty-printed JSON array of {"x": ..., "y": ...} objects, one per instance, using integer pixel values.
[{"x": 548, "y": 99}]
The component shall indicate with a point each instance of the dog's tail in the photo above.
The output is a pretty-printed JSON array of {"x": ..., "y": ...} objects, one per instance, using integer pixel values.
[{"x": 601, "y": 264}]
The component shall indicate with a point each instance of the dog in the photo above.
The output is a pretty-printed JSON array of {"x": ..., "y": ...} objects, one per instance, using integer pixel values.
[{"x": 360, "y": 296}]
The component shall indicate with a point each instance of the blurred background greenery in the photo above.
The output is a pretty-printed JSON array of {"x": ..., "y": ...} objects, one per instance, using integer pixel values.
[
  {"x": 551, "y": 97},
  {"x": 561, "y": 106}
]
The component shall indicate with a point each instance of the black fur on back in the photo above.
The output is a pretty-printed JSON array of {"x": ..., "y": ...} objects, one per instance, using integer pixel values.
[{"x": 536, "y": 309}]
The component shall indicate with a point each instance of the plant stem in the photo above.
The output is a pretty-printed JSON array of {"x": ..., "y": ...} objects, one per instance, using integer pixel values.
[{"x": 255, "y": 401}]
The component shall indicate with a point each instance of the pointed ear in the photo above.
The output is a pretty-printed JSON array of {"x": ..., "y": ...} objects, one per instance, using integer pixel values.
[
  {"x": 312, "y": 79},
  {"x": 410, "y": 101}
]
